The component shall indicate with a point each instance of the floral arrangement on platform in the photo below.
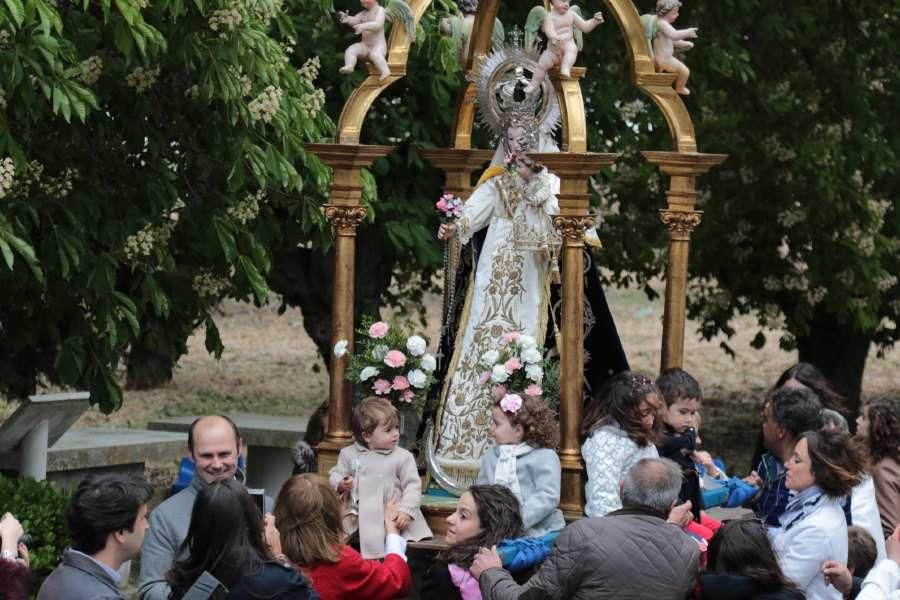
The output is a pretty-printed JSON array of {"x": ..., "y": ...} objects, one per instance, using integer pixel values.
[
  {"x": 449, "y": 207},
  {"x": 518, "y": 369},
  {"x": 390, "y": 363}
]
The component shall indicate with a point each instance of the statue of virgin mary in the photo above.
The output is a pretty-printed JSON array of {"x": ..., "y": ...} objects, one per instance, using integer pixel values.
[{"x": 510, "y": 249}]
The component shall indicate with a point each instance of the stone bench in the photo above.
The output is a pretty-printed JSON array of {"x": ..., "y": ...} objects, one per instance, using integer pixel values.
[
  {"x": 80, "y": 452},
  {"x": 268, "y": 439}
]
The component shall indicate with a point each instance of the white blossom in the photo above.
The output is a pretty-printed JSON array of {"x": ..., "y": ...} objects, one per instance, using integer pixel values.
[
  {"x": 264, "y": 106},
  {"x": 225, "y": 19},
  {"x": 7, "y": 173},
  {"x": 417, "y": 378},
  {"x": 534, "y": 372},
  {"x": 141, "y": 244},
  {"x": 416, "y": 345},
  {"x": 142, "y": 79},
  {"x": 527, "y": 341},
  {"x": 207, "y": 285},
  {"x": 499, "y": 374},
  {"x": 340, "y": 348},
  {"x": 310, "y": 70},
  {"x": 489, "y": 358},
  {"x": 247, "y": 209},
  {"x": 531, "y": 355},
  {"x": 367, "y": 373},
  {"x": 428, "y": 363},
  {"x": 91, "y": 69}
]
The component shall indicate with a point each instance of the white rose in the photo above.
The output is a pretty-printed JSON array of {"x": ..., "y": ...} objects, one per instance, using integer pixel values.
[
  {"x": 368, "y": 373},
  {"x": 531, "y": 355},
  {"x": 417, "y": 378},
  {"x": 428, "y": 363},
  {"x": 416, "y": 345},
  {"x": 499, "y": 374},
  {"x": 380, "y": 351},
  {"x": 489, "y": 358},
  {"x": 526, "y": 341},
  {"x": 534, "y": 373},
  {"x": 340, "y": 348}
]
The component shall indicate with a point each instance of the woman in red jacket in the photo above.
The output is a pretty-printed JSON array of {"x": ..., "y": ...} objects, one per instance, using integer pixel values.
[{"x": 308, "y": 513}]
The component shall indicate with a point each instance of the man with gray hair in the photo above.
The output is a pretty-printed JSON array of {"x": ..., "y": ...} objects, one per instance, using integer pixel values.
[{"x": 636, "y": 552}]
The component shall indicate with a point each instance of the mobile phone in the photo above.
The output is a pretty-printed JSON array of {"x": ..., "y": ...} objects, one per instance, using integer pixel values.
[{"x": 259, "y": 497}]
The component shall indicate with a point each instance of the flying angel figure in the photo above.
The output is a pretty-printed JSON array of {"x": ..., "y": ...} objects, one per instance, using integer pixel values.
[
  {"x": 663, "y": 38},
  {"x": 369, "y": 23},
  {"x": 564, "y": 27}
]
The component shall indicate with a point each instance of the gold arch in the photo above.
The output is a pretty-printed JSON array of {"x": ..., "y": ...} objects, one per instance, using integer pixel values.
[
  {"x": 350, "y": 123},
  {"x": 656, "y": 85}
]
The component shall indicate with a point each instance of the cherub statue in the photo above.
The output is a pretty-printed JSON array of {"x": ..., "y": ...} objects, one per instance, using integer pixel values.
[
  {"x": 459, "y": 27},
  {"x": 369, "y": 23},
  {"x": 663, "y": 38},
  {"x": 563, "y": 25}
]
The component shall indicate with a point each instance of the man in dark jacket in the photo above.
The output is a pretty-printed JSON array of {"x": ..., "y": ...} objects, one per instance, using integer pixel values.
[
  {"x": 107, "y": 519},
  {"x": 630, "y": 553}
]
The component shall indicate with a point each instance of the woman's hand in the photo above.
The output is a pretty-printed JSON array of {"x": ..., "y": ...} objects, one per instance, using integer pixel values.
[
  {"x": 446, "y": 231},
  {"x": 837, "y": 574},
  {"x": 484, "y": 560},
  {"x": 271, "y": 535},
  {"x": 24, "y": 556}
]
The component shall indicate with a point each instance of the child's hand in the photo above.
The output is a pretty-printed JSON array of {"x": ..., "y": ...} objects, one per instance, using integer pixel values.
[
  {"x": 345, "y": 485},
  {"x": 390, "y": 516},
  {"x": 837, "y": 574},
  {"x": 754, "y": 479},
  {"x": 703, "y": 458},
  {"x": 402, "y": 520}
]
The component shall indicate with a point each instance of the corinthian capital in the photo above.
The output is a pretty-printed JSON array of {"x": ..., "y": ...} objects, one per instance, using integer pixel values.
[
  {"x": 572, "y": 227},
  {"x": 345, "y": 218},
  {"x": 680, "y": 223}
]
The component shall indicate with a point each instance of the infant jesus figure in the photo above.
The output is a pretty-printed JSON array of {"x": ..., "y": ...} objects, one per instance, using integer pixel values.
[
  {"x": 667, "y": 38},
  {"x": 369, "y": 23}
]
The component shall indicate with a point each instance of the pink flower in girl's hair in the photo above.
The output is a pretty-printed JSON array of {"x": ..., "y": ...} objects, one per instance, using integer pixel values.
[
  {"x": 395, "y": 359},
  {"x": 512, "y": 336},
  {"x": 484, "y": 377},
  {"x": 512, "y": 365},
  {"x": 381, "y": 386},
  {"x": 378, "y": 330},
  {"x": 400, "y": 383},
  {"x": 498, "y": 391},
  {"x": 511, "y": 403},
  {"x": 533, "y": 390},
  {"x": 407, "y": 395}
]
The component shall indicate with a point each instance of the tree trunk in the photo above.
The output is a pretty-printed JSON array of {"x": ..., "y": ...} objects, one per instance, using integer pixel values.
[
  {"x": 152, "y": 358},
  {"x": 840, "y": 351}
]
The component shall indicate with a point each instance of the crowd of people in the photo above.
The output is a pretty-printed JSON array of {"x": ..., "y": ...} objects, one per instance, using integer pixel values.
[{"x": 825, "y": 507}]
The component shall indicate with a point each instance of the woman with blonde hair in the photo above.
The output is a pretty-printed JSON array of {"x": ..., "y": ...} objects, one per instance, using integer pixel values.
[{"x": 308, "y": 513}]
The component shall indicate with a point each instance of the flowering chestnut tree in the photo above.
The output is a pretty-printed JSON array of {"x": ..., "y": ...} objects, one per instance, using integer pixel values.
[{"x": 151, "y": 156}]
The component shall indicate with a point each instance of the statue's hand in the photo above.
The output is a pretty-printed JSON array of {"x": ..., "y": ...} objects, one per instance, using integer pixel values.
[
  {"x": 446, "y": 231},
  {"x": 598, "y": 16},
  {"x": 693, "y": 31},
  {"x": 343, "y": 16}
]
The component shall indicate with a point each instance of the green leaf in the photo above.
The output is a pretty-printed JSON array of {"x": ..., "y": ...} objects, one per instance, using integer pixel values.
[
  {"x": 23, "y": 248},
  {"x": 257, "y": 282},
  {"x": 70, "y": 361},
  {"x": 226, "y": 239},
  {"x": 213, "y": 339},
  {"x": 122, "y": 38},
  {"x": 7, "y": 254},
  {"x": 17, "y": 10}
]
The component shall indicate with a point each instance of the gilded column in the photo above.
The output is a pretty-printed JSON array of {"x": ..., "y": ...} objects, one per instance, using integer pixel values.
[
  {"x": 680, "y": 218},
  {"x": 345, "y": 213},
  {"x": 573, "y": 170}
]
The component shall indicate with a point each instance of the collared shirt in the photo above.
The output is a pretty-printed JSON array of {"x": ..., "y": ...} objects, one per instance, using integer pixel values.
[
  {"x": 113, "y": 573},
  {"x": 773, "y": 496}
]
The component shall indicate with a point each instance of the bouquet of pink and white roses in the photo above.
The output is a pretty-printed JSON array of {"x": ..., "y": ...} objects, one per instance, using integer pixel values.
[
  {"x": 391, "y": 363},
  {"x": 449, "y": 207},
  {"x": 518, "y": 368}
]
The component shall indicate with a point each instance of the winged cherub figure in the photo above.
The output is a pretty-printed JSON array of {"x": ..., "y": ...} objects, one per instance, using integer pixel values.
[
  {"x": 563, "y": 25},
  {"x": 664, "y": 38},
  {"x": 369, "y": 23}
]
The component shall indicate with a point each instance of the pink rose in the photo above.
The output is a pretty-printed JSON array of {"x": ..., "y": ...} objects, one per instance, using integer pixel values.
[
  {"x": 512, "y": 336},
  {"x": 394, "y": 358},
  {"x": 512, "y": 365},
  {"x": 407, "y": 395},
  {"x": 498, "y": 391},
  {"x": 441, "y": 205},
  {"x": 484, "y": 377},
  {"x": 381, "y": 386},
  {"x": 378, "y": 330},
  {"x": 511, "y": 403},
  {"x": 400, "y": 383},
  {"x": 533, "y": 390}
]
